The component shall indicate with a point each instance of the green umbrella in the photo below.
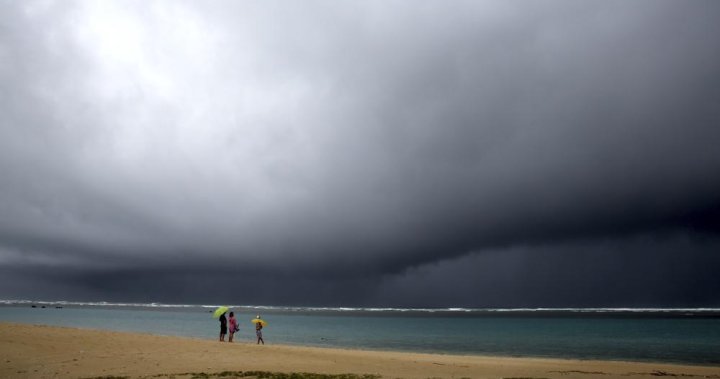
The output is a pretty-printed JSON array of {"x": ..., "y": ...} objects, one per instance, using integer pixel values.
[{"x": 220, "y": 311}]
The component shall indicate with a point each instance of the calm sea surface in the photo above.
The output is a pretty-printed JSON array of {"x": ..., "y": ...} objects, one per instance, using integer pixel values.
[{"x": 684, "y": 336}]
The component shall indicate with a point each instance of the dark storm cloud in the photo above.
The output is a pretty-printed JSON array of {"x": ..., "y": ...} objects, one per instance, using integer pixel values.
[{"x": 344, "y": 147}]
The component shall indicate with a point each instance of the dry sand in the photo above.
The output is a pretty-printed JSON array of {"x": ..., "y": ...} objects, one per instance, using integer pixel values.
[{"x": 31, "y": 351}]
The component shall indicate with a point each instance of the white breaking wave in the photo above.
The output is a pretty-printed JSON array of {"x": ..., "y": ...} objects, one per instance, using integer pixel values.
[{"x": 361, "y": 309}]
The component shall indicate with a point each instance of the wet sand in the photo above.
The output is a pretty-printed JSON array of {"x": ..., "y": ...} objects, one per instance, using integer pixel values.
[{"x": 31, "y": 351}]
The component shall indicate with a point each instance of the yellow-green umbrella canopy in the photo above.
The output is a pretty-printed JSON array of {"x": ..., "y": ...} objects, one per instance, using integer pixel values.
[{"x": 220, "y": 311}]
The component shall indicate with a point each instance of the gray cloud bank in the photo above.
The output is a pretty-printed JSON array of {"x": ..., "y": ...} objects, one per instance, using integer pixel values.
[{"x": 474, "y": 153}]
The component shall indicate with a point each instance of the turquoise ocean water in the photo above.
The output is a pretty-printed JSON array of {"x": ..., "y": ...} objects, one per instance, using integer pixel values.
[{"x": 665, "y": 335}]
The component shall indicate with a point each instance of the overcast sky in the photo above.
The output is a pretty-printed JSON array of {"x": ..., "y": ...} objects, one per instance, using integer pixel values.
[{"x": 367, "y": 153}]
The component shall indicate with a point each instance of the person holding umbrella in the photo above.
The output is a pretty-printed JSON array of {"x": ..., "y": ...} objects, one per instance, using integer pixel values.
[
  {"x": 220, "y": 313},
  {"x": 259, "y": 323},
  {"x": 223, "y": 327}
]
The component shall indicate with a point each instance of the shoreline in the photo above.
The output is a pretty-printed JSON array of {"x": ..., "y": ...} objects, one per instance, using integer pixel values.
[{"x": 39, "y": 351}]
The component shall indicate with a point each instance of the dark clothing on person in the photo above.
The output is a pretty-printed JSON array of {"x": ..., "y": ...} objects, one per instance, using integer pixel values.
[{"x": 223, "y": 324}]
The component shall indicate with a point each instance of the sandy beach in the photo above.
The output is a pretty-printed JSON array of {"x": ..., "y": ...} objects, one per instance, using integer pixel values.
[{"x": 31, "y": 351}]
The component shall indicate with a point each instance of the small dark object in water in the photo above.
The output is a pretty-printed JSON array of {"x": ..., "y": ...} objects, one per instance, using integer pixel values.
[
  {"x": 34, "y": 306},
  {"x": 58, "y": 307},
  {"x": 42, "y": 306}
]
